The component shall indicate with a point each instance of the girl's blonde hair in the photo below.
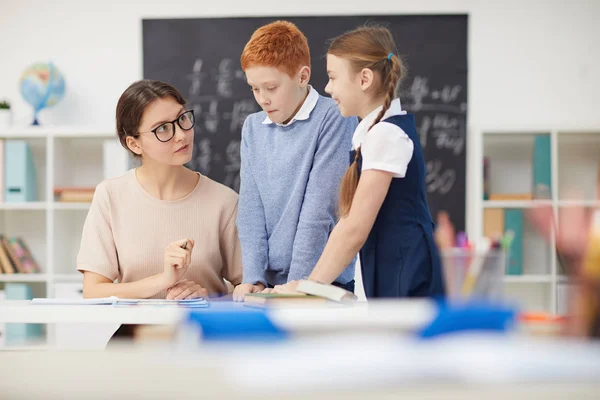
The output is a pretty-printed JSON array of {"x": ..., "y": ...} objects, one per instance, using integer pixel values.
[{"x": 369, "y": 47}]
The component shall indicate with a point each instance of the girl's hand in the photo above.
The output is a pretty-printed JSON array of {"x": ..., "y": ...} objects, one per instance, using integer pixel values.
[{"x": 288, "y": 288}]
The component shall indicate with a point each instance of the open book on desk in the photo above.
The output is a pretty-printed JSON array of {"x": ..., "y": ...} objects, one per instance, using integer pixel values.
[
  {"x": 115, "y": 301},
  {"x": 309, "y": 292}
]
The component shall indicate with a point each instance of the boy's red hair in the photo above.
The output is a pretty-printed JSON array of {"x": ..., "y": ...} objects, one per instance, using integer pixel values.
[{"x": 279, "y": 44}]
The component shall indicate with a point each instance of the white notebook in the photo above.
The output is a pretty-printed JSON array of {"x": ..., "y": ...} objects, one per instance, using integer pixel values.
[
  {"x": 113, "y": 300},
  {"x": 330, "y": 292}
]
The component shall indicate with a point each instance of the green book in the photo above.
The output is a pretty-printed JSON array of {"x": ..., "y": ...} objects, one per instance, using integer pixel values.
[
  {"x": 272, "y": 299},
  {"x": 277, "y": 295},
  {"x": 542, "y": 168},
  {"x": 513, "y": 221}
]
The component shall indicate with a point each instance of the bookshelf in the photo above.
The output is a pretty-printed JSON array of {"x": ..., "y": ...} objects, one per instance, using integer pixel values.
[
  {"x": 63, "y": 156},
  {"x": 574, "y": 165}
]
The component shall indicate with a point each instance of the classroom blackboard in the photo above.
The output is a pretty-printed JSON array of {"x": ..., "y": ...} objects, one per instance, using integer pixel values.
[{"x": 201, "y": 58}]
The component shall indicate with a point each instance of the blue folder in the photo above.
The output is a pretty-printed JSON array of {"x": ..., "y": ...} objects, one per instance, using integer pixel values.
[{"x": 20, "y": 184}]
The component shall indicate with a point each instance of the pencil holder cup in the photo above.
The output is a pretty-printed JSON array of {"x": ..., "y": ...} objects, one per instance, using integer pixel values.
[{"x": 474, "y": 275}]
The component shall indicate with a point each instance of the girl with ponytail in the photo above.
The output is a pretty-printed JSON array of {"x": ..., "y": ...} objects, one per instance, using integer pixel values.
[{"x": 383, "y": 206}]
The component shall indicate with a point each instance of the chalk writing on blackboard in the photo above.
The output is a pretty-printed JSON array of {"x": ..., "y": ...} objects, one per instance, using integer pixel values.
[
  {"x": 441, "y": 123},
  {"x": 422, "y": 97},
  {"x": 441, "y": 126},
  {"x": 232, "y": 167},
  {"x": 196, "y": 79},
  {"x": 439, "y": 179},
  {"x": 241, "y": 110},
  {"x": 202, "y": 156}
]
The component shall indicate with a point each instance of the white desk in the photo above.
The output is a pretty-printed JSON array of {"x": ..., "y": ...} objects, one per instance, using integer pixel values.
[
  {"x": 327, "y": 365},
  {"x": 381, "y": 316},
  {"x": 20, "y": 311}
]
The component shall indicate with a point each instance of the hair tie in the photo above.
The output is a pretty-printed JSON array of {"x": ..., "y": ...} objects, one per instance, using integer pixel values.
[{"x": 390, "y": 56}]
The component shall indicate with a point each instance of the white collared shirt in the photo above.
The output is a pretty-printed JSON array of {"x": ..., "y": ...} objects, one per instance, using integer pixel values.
[
  {"x": 386, "y": 147},
  {"x": 304, "y": 112}
]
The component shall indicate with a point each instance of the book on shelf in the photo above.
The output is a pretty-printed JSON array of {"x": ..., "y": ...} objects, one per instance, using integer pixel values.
[
  {"x": 74, "y": 194},
  {"x": 486, "y": 178},
  {"x": 511, "y": 196},
  {"x": 513, "y": 221},
  {"x": 15, "y": 257},
  {"x": 542, "y": 168},
  {"x": 493, "y": 222},
  {"x": 6, "y": 265}
]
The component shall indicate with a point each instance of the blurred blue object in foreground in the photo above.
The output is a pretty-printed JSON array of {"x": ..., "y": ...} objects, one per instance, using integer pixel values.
[
  {"x": 236, "y": 325},
  {"x": 470, "y": 316}
]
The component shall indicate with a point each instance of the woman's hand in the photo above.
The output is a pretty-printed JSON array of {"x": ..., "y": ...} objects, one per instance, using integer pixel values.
[
  {"x": 178, "y": 256},
  {"x": 186, "y": 289}
]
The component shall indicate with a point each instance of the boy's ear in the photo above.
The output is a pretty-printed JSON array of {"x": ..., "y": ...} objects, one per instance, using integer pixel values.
[
  {"x": 304, "y": 75},
  {"x": 133, "y": 145},
  {"x": 366, "y": 78}
]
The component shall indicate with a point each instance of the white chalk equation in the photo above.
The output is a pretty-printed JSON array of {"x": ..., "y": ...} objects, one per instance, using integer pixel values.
[
  {"x": 439, "y": 179},
  {"x": 232, "y": 165},
  {"x": 220, "y": 110},
  {"x": 223, "y": 77},
  {"x": 202, "y": 158},
  {"x": 240, "y": 111},
  {"x": 217, "y": 91},
  {"x": 213, "y": 116},
  {"x": 444, "y": 131},
  {"x": 206, "y": 160},
  {"x": 441, "y": 124},
  {"x": 422, "y": 97}
]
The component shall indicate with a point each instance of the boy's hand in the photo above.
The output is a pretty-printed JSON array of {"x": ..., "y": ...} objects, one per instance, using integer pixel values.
[{"x": 241, "y": 290}]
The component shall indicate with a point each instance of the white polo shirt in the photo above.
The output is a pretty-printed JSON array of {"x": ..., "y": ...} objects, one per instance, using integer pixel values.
[
  {"x": 304, "y": 112},
  {"x": 386, "y": 147}
]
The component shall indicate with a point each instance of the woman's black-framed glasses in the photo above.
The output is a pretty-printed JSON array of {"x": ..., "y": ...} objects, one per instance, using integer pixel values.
[{"x": 166, "y": 131}]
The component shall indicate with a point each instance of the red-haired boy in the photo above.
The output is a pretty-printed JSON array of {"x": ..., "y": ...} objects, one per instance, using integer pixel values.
[{"x": 294, "y": 154}]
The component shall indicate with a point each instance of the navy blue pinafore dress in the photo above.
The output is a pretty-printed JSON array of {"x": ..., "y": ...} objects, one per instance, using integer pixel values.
[{"x": 400, "y": 257}]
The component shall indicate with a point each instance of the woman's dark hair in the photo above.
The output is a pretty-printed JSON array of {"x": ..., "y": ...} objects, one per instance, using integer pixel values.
[{"x": 133, "y": 103}]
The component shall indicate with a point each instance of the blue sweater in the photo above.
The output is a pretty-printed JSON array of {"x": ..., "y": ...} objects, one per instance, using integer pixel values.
[{"x": 290, "y": 178}]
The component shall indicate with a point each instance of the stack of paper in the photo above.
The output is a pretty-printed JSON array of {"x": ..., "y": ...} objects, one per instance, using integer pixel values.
[{"x": 198, "y": 302}]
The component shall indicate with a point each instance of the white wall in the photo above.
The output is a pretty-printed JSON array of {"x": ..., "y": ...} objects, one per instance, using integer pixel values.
[{"x": 531, "y": 63}]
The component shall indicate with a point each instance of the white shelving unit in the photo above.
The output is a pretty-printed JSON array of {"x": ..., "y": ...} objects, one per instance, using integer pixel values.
[
  {"x": 575, "y": 159},
  {"x": 63, "y": 156}
]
